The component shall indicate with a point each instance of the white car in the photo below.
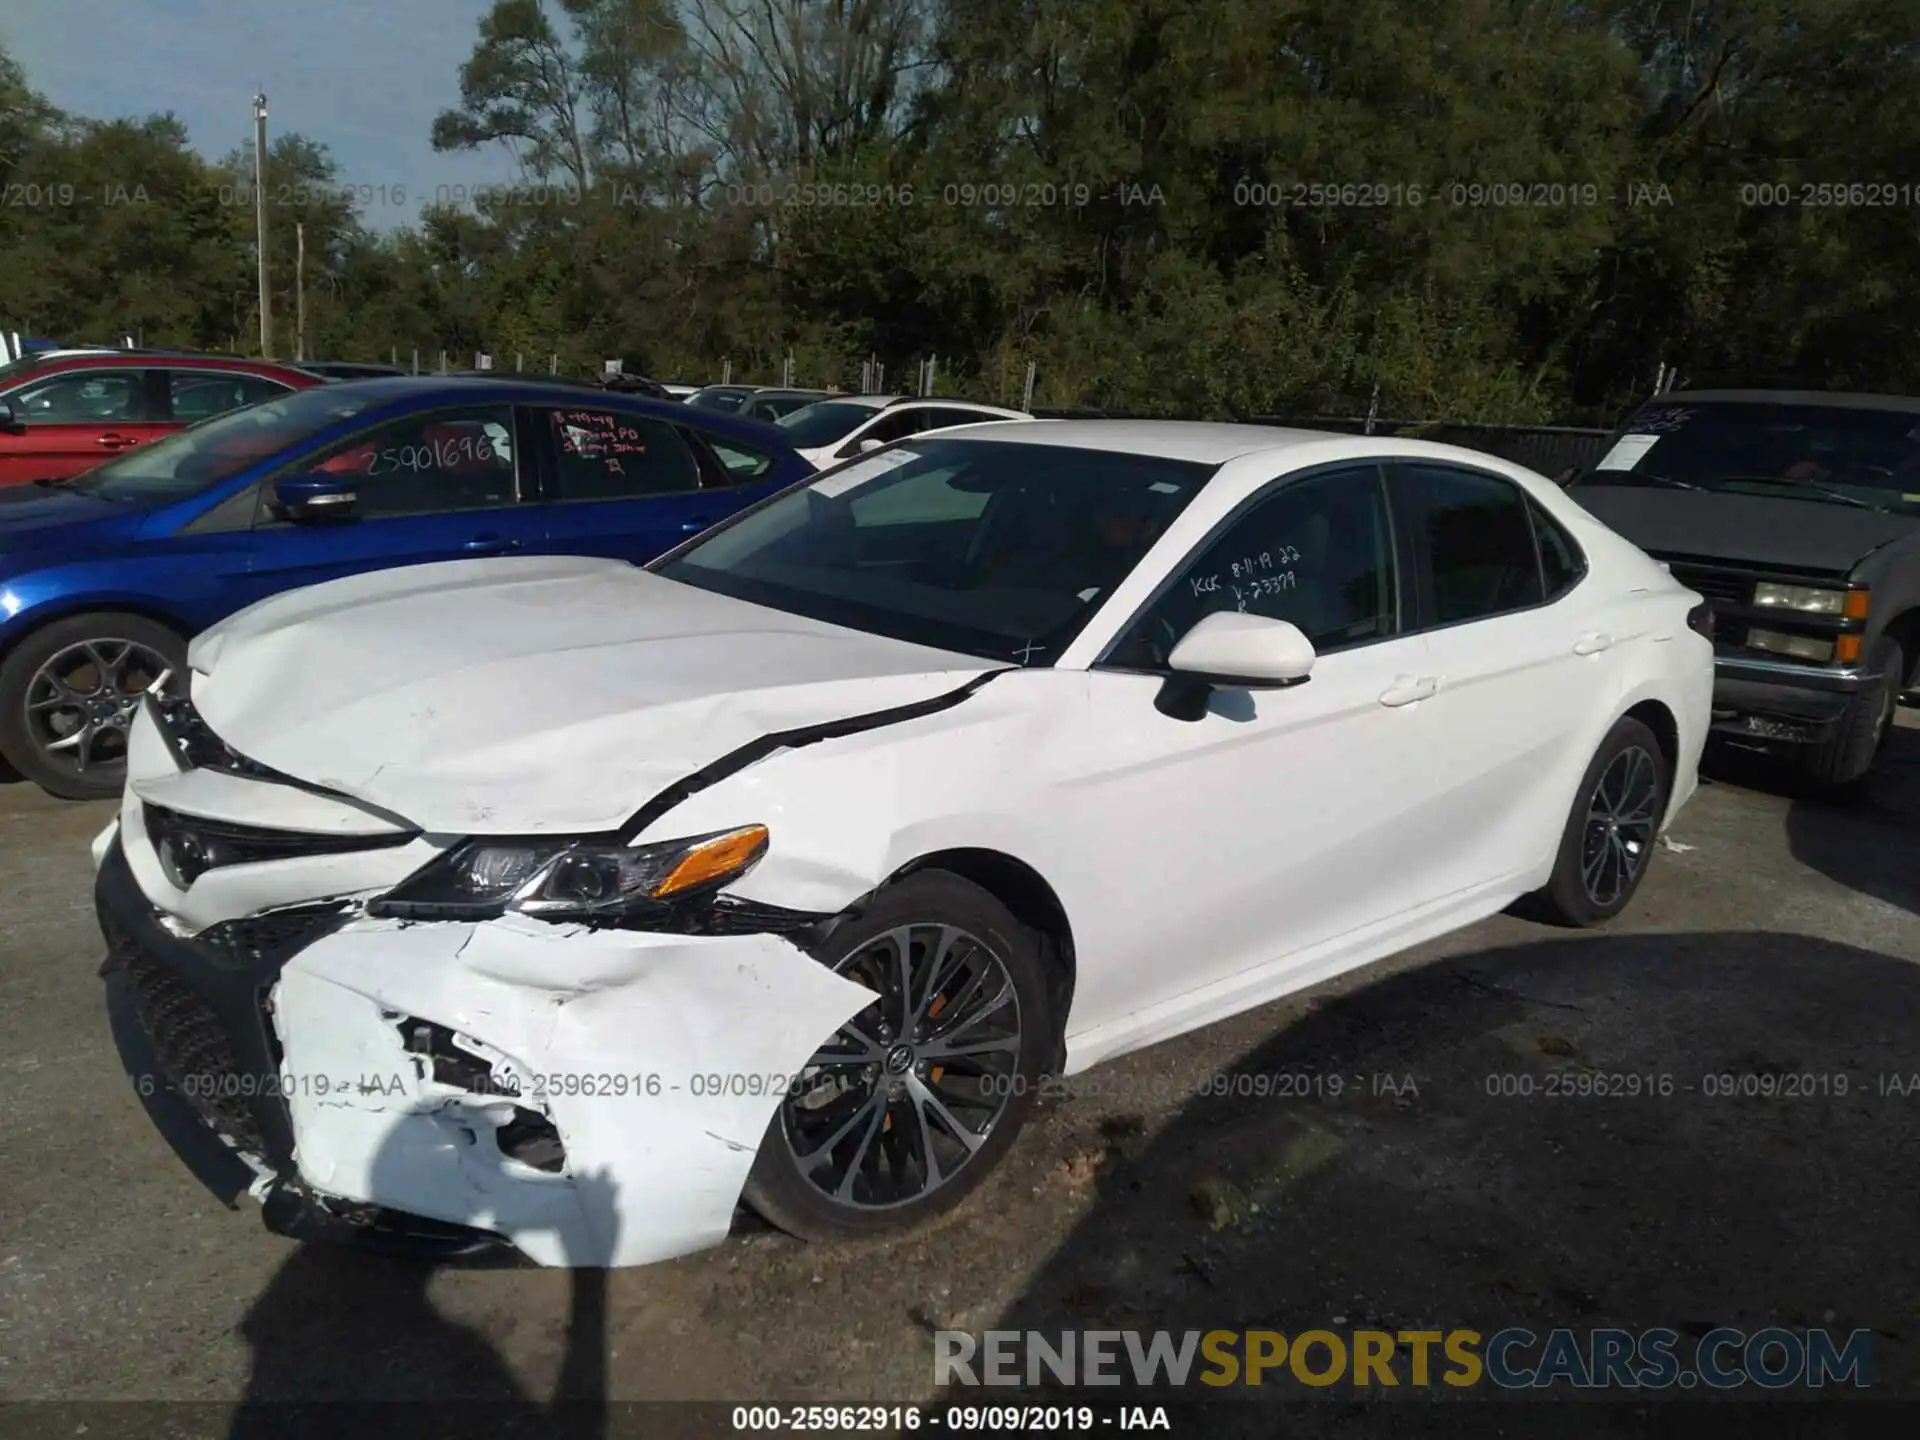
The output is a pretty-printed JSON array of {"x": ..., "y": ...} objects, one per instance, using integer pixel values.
[
  {"x": 830, "y": 431},
  {"x": 565, "y": 903}
]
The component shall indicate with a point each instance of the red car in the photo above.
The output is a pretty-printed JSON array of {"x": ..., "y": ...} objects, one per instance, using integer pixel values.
[{"x": 66, "y": 412}]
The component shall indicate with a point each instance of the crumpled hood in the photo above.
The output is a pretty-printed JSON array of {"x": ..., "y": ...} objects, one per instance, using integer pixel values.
[
  {"x": 531, "y": 696},
  {"x": 1743, "y": 529}
]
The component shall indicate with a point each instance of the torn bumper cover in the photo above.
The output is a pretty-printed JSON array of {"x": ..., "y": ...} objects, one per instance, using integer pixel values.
[{"x": 591, "y": 1097}]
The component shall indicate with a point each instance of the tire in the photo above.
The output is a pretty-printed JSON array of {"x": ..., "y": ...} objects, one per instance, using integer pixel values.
[
  {"x": 1845, "y": 757},
  {"x": 1635, "y": 791},
  {"x": 863, "y": 1086},
  {"x": 98, "y": 663}
]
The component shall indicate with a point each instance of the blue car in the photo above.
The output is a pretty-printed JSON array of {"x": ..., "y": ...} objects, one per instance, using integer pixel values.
[{"x": 106, "y": 575}]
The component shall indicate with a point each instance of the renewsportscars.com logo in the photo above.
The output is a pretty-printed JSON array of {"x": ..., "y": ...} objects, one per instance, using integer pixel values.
[{"x": 1773, "y": 1358}]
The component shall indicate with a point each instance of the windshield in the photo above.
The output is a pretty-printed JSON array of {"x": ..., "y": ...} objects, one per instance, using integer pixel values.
[
  {"x": 988, "y": 548},
  {"x": 814, "y": 425},
  {"x": 1828, "y": 454},
  {"x": 718, "y": 399},
  {"x": 189, "y": 461}
]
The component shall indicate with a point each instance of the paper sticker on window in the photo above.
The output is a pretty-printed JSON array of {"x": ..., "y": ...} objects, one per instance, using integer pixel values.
[
  {"x": 871, "y": 468},
  {"x": 1627, "y": 452}
]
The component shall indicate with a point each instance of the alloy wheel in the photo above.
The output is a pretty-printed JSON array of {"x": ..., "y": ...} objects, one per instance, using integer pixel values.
[
  {"x": 1620, "y": 822},
  {"x": 82, "y": 700},
  {"x": 904, "y": 1094}
]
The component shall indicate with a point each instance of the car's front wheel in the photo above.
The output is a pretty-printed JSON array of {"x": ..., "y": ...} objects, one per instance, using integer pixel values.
[
  {"x": 911, "y": 1103},
  {"x": 68, "y": 693}
]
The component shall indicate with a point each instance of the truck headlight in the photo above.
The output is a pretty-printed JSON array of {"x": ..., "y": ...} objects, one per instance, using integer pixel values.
[
  {"x": 572, "y": 879},
  {"x": 1799, "y": 647},
  {"x": 1807, "y": 599}
]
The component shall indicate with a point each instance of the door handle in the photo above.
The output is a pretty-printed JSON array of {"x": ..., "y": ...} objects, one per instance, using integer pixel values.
[
  {"x": 1592, "y": 643},
  {"x": 1408, "y": 688},
  {"x": 115, "y": 442},
  {"x": 490, "y": 544},
  {"x": 694, "y": 527}
]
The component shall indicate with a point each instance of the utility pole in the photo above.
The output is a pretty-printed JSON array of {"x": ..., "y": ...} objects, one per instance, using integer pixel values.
[
  {"x": 260, "y": 218},
  {"x": 300, "y": 291}
]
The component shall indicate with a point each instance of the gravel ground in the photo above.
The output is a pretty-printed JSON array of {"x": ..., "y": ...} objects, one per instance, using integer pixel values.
[{"x": 1776, "y": 937}]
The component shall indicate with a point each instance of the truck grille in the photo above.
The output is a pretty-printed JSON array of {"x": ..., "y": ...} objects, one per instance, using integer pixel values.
[{"x": 1728, "y": 587}]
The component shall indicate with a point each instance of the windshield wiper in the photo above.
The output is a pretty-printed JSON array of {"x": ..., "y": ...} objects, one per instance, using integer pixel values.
[
  {"x": 1808, "y": 489},
  {"x": 1630, "y": 477}
]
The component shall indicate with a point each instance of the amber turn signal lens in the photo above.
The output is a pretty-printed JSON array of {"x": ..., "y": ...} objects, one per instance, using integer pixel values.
[
  {"x": 1846, "y": 649},
  {"x": 1855, "y": 606},
  {"x": 714, "y": 859}
]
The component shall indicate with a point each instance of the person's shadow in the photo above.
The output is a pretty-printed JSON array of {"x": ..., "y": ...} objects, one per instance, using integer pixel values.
[{"x": 347, "y": 1341}]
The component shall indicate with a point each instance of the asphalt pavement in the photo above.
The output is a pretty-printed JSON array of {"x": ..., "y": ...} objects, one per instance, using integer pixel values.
[{"x": 1462, "y": 1172}]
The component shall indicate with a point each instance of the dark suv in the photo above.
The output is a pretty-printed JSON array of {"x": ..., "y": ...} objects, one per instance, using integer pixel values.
[{"x": 1797, "y": 515}]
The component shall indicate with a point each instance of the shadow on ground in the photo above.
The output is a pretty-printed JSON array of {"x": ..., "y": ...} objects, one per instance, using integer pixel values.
[
  {"x": 1867, "y": 843},
  {"x": 345, "y": 1341},
  {"x": 1492, "y": 1192}
]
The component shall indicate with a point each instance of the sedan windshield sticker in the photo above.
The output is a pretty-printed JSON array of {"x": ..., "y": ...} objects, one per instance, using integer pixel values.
[
  {"x": 1627, "y": 452},
  {"x": 855, "y": 476}
]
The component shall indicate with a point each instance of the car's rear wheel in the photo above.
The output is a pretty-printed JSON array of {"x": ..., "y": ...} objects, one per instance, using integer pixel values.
[
  {"x": 910, "y": 1104},
  {"x": 69, "y": 692},
  {"x": 1609, "y": 837}
]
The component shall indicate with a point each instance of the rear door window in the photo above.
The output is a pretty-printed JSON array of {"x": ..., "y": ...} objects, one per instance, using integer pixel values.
[
  {"x": 1476, "y": 534},
  {"x": 608, "y": 455}
]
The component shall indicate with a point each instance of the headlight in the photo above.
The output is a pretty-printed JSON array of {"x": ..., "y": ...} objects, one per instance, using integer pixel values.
[
  {"x": 1807, "y": 599},
  {"x": 1800, "y": 647},
  {"x": 572, "y": 879}
]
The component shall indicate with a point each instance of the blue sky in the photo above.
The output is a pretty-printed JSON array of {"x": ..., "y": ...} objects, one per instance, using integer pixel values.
[{"x": 363, "y": 77}]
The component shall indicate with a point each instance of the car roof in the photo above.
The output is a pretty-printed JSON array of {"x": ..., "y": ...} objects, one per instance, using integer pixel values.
[
  {"x": 421, "y": 391},
  {"x": 48, "y": 363},
  {"x": 1204, "y": 442},
  {"x": 1832, "y": 399}
]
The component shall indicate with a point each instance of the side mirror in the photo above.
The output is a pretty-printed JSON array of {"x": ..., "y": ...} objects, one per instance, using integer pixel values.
[
  {"x": 9, "y": 421},
  {"x": 1236, "y": 651},
  {"x": 312, "y": 497},
  {"x": 870, "y": 444}
]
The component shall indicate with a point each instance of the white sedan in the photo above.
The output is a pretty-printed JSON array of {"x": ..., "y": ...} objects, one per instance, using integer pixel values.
[
  {"x": 561, "y": 904},
  {"x": 829, "y": 431}
]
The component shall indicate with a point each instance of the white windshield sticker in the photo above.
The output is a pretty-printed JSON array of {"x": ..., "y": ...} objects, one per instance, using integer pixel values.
[
  {"x": 859, "y": 474},
  {"x": 1627, "y": 452}
]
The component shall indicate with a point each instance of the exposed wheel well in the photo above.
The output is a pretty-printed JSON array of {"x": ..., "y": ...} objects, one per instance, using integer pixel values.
[
  {"x": 1019, "y": 887},
  {"x": 1659, "y": 719},
  {"x": 1905, "y": 630}
]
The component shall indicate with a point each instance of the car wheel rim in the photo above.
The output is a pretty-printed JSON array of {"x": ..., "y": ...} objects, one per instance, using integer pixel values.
[
  {"x": 82, "y": 700},
  {"x": 1619, "y": 832},
  {"x": 904, "y": 1095}
]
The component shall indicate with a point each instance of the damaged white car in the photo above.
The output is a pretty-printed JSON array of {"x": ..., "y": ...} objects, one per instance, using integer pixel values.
[{"x": 561, "y": 905}]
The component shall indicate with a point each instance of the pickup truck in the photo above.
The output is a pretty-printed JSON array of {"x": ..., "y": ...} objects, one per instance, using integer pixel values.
[{"x": 1796, "y": 515}]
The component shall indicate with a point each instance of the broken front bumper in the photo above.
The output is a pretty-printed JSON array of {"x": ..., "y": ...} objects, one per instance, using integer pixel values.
[{"x": 590, "y": 1097}]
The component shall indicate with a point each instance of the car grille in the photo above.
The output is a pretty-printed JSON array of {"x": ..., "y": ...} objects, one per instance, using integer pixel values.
[
  {"x": 263, "y": 937},
  {"x": 193, "y": 1048}
]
